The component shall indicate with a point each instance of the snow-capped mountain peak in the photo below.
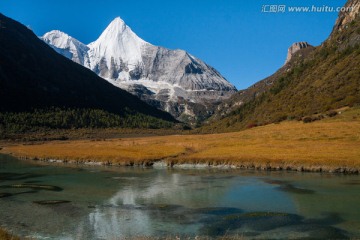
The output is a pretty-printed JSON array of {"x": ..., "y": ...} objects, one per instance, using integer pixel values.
[
  {"x": 58, "y": 38},
  {"x": 66, "y": 45},
  {"x": 117, "y": 25},
  {"x": 172, "y": 80},
  {"x": 117, "y": 45}
]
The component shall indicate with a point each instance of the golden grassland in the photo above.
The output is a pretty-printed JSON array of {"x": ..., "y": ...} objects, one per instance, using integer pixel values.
[{"x": 326, "y": 144}]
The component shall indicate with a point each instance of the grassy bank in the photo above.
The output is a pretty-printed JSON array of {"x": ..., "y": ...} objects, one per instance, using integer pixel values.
[{"x": 327, "y": 145}]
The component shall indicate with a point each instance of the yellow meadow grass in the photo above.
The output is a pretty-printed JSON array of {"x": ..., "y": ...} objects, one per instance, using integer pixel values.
[{"x": 331, "y": 143}]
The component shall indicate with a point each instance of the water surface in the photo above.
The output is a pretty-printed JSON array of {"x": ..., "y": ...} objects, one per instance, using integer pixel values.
[{"x": 88, "y": 202}]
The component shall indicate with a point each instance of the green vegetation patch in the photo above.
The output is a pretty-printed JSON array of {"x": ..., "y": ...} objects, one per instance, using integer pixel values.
[{"x": 59, "y": 118}]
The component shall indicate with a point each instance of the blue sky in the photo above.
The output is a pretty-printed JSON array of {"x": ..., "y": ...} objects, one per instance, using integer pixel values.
[{"x": 234, "y": 36}]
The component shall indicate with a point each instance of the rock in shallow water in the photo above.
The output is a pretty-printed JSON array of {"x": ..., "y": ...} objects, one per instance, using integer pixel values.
[
  {"x": 34, "y": 187},
  {"x": 304, "y": 231},
  {"x": 51, "y": 202},
  {"x": 273, "y": 225},
  {"x": 292, "y": 189},
  {"x": 8, "y": 176},
  {"x": 255, "y": 221},
  {"x": 3, "y": 195}
]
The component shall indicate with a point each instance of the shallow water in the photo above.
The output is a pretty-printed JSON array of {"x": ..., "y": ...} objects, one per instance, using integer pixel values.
[{"x": 88, "y": 202}]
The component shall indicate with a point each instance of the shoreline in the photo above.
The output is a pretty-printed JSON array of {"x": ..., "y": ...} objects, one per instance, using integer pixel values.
[
  {"x": 330, "y": 145},
  {"x": 168, "y": 164}
]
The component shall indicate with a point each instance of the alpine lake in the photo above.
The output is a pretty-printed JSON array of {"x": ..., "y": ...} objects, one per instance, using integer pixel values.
[{"x": 63, "y": 201}]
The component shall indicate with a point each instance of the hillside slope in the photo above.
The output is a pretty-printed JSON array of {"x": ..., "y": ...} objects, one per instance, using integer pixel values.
[
  {"x": 315, "y": 81},
  {"x": 33, "y": 76}
]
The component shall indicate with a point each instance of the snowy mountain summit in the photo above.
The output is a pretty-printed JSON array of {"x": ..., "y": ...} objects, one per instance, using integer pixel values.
[
  {"x": 172, "y": 80},
  {"x": 66, "y": 45}
]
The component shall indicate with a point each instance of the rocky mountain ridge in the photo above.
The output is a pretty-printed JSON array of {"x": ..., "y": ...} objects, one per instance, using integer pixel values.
[{"x": 171, "y": 80}]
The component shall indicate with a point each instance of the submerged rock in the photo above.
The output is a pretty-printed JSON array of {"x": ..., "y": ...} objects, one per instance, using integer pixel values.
[
  {"x": 34, "y": 186},
  {"x": 292, "y": 189},
  {"x": 254, "y": 221},
  {"x": 51, "y": 202},
  {"x": 288, "y": 187},
  {"x": 3, "y": 195},
  {"x": 305, "y": 231},
  {"x": 274, "y": 225},
  {"x": 218, "y": 211},
  {"x": 274, "y": 181},
  {"x": 352, "y": 182},
  {"x": 8, "y": 176}
]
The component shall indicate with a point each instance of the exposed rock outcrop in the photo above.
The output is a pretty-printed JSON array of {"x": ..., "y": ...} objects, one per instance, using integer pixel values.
[
  {"x": 348, "y": 14},
  {"x": 295, "y": 48}
]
